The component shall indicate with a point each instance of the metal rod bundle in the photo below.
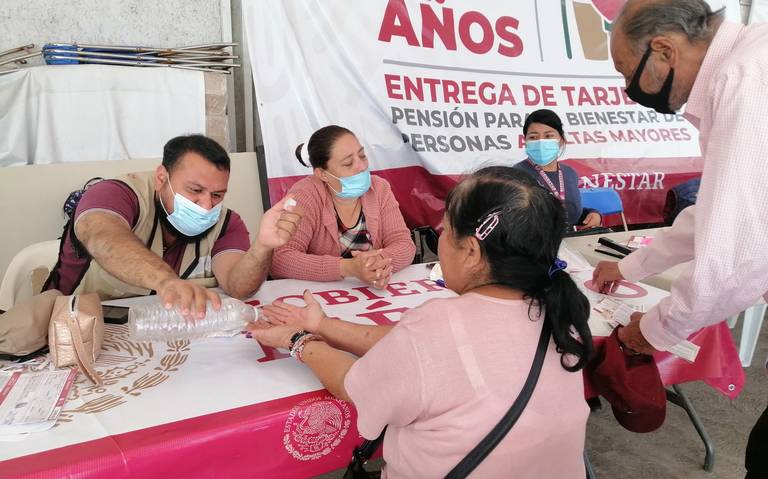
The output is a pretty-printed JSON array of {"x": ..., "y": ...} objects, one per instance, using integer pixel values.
[
  {"x": 211, "y": 57},
  {"x": 26, "y": 53}
]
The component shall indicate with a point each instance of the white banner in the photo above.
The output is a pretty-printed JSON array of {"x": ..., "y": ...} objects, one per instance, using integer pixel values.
[{"x": 437, "y": 88}]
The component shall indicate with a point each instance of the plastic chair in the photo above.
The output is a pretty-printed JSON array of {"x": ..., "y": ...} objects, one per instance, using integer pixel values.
[
  {"x": 605, "y": 200},
  {"x": 750, "y": 331},
  {"x": 27, "y": 272}
]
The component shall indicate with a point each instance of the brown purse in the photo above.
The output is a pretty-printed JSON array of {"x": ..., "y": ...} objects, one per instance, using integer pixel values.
[{"x": 76, "y": 332}]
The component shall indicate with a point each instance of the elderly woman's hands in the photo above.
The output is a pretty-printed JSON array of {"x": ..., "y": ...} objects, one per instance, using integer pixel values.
[
  {"x": 271, "y": 335},
  {"x": 307, "y": 317}
]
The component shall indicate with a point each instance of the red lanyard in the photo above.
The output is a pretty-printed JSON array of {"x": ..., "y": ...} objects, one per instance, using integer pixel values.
[{"x": 559, "y": 194}]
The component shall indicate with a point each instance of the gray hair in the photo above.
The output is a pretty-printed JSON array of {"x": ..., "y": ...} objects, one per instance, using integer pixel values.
[{"x": 641, "y": 20}]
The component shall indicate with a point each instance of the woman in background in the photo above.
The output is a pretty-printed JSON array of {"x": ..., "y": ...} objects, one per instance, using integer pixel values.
[
  {"x": 352, "y": 225},
  {"x": 544, "y": 145}
]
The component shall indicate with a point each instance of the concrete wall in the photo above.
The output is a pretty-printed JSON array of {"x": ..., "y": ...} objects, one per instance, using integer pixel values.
[
  {"x": 166, "y": 23},
  {"x": 120, "y": 22}
]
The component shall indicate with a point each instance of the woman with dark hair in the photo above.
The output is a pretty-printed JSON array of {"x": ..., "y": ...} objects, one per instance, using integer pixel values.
[
  {"x": 352, "y": 225},
  {"x": 444, "y": 376},
  {"x": 544, "y": 145}
]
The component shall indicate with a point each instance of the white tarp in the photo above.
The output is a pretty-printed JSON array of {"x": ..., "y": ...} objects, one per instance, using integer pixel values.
[{"x": 65, "y": 113}]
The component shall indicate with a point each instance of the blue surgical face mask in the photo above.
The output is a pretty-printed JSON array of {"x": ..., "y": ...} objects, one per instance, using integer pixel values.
[
  {"x": 353, "y": 186},
  {"x": 542, "y": 152},
  {"x": 189, "y": 218}
]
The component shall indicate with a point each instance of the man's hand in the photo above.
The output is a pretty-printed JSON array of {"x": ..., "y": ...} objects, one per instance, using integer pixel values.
[
  {"x": 188, "y": 296},
  {"x": 279, "y": 223},
  {"x": 593, "y": 220},
  {"x": 307, "y": 318},
  {"x": 606, "y": 276},
  {"x": 632, "y": 338}
]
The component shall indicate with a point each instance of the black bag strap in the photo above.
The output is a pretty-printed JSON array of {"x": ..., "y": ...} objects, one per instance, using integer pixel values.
[
  {"x": 368, "y": 448},
  {"x": 360, "y": 456},
  {"x": 489, "y": 442}
]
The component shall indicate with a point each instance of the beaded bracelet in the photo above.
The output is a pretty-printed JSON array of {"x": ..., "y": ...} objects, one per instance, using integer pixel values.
[
  {"x": 298, "y": 347},
  {"x": 296, "y": 336}
]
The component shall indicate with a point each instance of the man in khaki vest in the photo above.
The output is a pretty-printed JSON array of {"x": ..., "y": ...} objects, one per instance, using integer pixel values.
[{"x": 166, "y": 231}]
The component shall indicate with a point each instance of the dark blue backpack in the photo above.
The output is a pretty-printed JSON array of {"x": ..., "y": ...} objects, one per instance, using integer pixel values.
[{"x": 680, "y": 197}]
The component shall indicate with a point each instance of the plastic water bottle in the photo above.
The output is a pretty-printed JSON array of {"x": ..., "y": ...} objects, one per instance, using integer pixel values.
[{"x": 152, "y": 322}]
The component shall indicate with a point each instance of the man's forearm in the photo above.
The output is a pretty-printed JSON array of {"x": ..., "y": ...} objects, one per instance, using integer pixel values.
[
  {"x": 126, "y": 258},
  {"x": 671, "y": 247},
  {"x": 250, "y": 272}
]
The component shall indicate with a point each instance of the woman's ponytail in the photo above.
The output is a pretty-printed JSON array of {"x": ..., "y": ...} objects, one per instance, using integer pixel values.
[{"x": 567, "y": 311}]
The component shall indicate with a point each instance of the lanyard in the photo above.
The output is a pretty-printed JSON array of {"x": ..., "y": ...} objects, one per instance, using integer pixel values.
[{"x": 559, "y": 194}]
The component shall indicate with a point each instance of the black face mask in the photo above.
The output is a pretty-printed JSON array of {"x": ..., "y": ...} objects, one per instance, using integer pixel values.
[{"x": 658, "y": 101}]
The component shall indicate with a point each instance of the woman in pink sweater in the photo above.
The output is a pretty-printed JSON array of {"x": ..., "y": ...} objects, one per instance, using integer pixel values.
[{"x": 352, "y": 225}]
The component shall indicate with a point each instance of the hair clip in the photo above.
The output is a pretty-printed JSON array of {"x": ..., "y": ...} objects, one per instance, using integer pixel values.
[
  {"x": 559, "y": 265},
  {"x": 487, "y": 226},
  {"x": 305, "y": 152}
]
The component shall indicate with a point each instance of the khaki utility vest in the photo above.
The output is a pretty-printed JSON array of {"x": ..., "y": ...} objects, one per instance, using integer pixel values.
[{"x": 196, "y": 264}]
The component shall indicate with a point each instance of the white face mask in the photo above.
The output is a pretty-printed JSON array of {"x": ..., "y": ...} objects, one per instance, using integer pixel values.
[{"x": 189, "y": 218}]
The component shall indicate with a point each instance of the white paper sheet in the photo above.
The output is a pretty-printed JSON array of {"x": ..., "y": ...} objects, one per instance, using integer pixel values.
[{"x": 32, "y": 401}]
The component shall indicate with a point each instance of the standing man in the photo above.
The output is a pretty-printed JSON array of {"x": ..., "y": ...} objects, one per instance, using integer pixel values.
[
  {"x": 678, "y": 52},
  {"x": 167, "y": 231}
]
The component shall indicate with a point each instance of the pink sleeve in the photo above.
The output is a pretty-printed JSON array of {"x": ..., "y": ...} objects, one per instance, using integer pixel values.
[
  {"x": 670, "y": 247},
  {"x": 292, "y": 260},
  {"x": 386, "y": 384},
  {"x": 235, "y": 237},
  {"x": 396, "y": 239},
  {"x": 729, "y": 272},
  {"x": 110, "y": 195}
]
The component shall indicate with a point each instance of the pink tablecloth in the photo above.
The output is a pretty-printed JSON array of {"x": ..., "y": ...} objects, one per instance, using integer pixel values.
[
  {"x": 247, "y": 442},
  {"x": 212, "y": 409},
  {"x": 717, "y": 364}
]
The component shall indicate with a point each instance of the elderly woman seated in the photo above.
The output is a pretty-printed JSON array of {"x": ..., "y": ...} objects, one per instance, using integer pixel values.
[
  {"x": 444, "y": 376},
  {"x": 352, "y": 225}
]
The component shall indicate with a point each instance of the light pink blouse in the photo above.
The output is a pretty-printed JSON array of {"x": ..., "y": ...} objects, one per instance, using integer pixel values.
[{"x": 446, "y": 374}]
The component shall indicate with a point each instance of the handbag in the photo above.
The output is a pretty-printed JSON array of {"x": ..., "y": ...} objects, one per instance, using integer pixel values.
[
  {"x": 363, "y": 453},
  {"x": 24, "y": 327},
  {"x": 76, "y": 332}
]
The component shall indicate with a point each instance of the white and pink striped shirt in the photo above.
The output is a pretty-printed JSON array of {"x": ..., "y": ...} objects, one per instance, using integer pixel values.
[{"x": 725, "y": 235}]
